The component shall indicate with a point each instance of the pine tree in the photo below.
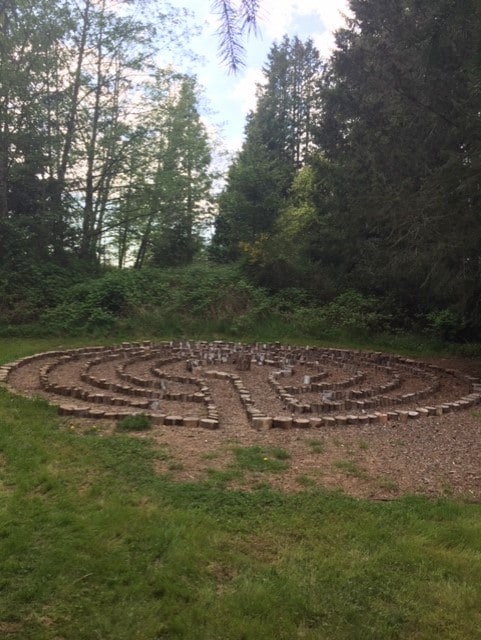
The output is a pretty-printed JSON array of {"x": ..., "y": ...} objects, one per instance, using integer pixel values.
[
  {"x": 185, "y": 180},
  {"x": 400, "y": 128},
  {"x": 278, "y": 140}
]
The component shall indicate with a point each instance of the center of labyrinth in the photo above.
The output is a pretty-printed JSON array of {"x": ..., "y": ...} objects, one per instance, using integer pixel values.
[{"x": 219, "y": 384}]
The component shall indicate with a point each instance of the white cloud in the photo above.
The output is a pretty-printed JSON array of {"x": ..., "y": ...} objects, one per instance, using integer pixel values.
[
  {"x": 329, "y": 11},
  {"x": 332, "y": 15},
  {"x": 276, "y": 19},
  {"x": 324, "y": 43},
  {"x": 277, "y": 15},
  {"x": 244, "y": 92}
]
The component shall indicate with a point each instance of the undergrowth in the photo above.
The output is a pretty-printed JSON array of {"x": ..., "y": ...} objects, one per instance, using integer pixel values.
[{"x": 208, "y": 301}]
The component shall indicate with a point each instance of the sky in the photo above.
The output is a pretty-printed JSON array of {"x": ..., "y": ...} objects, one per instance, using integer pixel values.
[{"x": 229, "y": 97}]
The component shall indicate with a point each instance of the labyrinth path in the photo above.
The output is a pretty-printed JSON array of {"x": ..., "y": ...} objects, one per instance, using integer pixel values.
[{"x": 262, "y": 386}]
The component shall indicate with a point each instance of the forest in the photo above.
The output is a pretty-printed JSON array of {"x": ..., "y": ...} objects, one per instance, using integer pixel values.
[{"x": 353, "y": 202}]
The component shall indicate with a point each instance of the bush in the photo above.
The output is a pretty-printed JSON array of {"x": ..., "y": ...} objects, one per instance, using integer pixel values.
[
  {"x": 94, "y": 305},
  {"x": 27, "y": 291},
  {"x": 74, "y": 317},
  {"x": 183, "y": 300},
  {"x": 203, "y": 299},
  {"x": 352, "y": 311},
  {"x": 351, "y": 314},
  {"x": 445, "y": 324}
]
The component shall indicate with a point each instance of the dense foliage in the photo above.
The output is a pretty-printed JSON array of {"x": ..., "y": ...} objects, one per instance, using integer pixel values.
[
  {"x": 386, "y": 198},
  {"x": 401, "y": 131},
  {"x": 278, "y": 139},
  {"x": 97, "y": 138}
]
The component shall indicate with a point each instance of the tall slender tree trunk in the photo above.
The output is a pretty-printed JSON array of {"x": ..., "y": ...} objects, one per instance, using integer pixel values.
[
  {"x": 4, "y": 172},
  {"x": 144, "y": 244},
  {"x": 3, "y": 114},
  {"x": 113, "y": 156},
  {"x": 88, "y": 241},
  {"x": 70, "y": 128}
]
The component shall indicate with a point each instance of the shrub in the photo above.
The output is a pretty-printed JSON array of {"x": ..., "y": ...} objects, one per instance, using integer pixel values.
[
  {"x": 351, "y": 313},
  {"x": 444, "y": 324}
]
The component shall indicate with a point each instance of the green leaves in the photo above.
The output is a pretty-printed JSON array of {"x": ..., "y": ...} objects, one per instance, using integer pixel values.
[
  {"x": 397, "y": 127},
  {"x": 72, "y": 81},
  {"x": 278, "y": 142}
]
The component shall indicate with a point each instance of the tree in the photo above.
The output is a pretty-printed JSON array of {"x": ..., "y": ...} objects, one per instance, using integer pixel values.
[
  {"x": 278, "y": 141},
  {"x": 115, "y": 53},
  {"x": 165, "y": 199},
  {"x": 400, "y": 128},
  {"x": 29, "y": 41},
  {"x": 186, "y": 181},
  {"x": 71, "y": 80}
]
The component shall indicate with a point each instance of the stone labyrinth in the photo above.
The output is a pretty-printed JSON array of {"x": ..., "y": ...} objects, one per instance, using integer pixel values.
[{"x": 261, "y": 386}]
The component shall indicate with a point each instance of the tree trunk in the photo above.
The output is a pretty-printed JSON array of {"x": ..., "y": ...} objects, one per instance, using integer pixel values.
[
  {"x": 70, "y": 127},
  {"x": 3, "y": 174}
]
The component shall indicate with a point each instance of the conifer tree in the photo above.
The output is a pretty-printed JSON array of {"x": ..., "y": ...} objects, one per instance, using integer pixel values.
[
  {"x": 400, "y": 129},
  {"x": 278, "y": 140},
  {"x": 186, "y": 180}
]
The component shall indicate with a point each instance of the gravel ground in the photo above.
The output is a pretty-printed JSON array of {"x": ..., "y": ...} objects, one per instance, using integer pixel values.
[{"x": 433, "y": 456}]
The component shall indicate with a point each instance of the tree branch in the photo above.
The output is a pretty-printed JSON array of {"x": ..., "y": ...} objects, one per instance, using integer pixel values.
[{"x": 234, "y": 22}]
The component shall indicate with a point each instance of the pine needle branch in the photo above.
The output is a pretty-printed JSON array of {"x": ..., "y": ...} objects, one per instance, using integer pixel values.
[{"x": 234, "y": 22}]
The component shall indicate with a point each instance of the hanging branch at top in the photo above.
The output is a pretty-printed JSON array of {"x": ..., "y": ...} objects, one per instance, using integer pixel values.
[
  {"x": 234, "y": 22},
  {"x": 249, "y": 10}
]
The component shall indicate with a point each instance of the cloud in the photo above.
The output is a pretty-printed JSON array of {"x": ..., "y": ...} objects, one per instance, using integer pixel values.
[
  {"x": 233, "y": 96},
  {"x": 329, "y": 11},
  {"x": 277, "y": 17},
  {"x": 244, "y": 92}
]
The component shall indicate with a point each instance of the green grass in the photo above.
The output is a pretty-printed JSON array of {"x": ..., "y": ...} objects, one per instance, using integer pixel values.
[
  {"x": 246, "y": 463},
  {"x": 138, "y": 422},
  {"x": 305, "y": 480},
  {"x": 350, "y": 468},
  {"x": 316, "y": 445},
  {"x": 388, "y": 484},
  {"x": 260, "y": 459},
  {"x": 95, "y": 545}
]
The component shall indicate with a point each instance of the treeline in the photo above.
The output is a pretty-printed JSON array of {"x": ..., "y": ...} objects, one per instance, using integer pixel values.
[
  {"x": 103, "y": 155},
  {"x": 356, "y": 191},
  {"x": 364, "y": 172}
]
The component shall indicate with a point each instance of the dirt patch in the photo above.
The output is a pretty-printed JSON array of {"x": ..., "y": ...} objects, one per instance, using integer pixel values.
[
  {"x": 8, "y": 629},
  {"x": 435, "y": 454}
]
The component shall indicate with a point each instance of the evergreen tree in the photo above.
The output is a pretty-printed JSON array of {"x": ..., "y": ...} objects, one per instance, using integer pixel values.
[
  {"x": 278, "y": 139},
  {"x": 400, "y": 129},
  {"x": 166, "y": 200},
  {"x": 29, "y": 58},
  {"x": 185, "y": 182}
]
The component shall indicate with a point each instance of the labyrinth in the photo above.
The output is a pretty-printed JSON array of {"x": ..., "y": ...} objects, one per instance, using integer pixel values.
[{"x": 262, "y": 386}]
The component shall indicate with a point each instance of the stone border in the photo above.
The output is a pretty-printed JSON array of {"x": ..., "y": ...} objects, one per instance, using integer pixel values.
[{"x": 284, "y": 357}]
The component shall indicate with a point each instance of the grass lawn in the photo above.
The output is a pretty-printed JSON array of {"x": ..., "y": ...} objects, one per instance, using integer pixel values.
[{"x": 95, "y": 545}]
